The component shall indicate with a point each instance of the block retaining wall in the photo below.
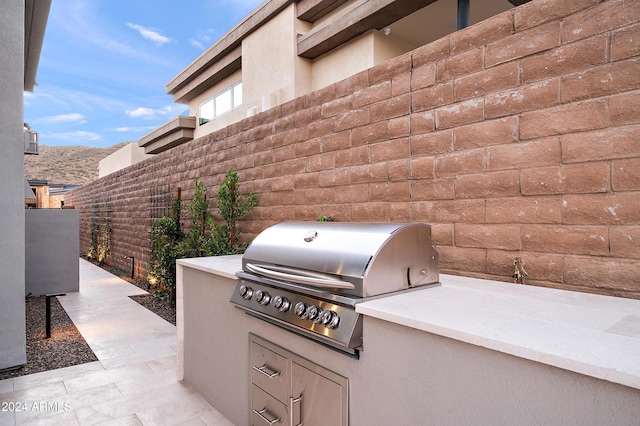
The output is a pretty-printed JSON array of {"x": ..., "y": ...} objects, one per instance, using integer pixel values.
[{"x": 518, "y": 136}]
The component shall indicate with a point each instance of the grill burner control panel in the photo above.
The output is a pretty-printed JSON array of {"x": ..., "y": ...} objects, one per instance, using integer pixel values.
[
  {"x": 313, "y": 313},
  {"x": 327, "y": 321}
]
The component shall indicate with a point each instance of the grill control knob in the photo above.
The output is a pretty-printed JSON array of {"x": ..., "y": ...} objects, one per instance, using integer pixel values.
[
  {"x": 301, "y": 310},
  {"x": 330, "y": 319},
  {"x": 245, "y": 292},
  {"x": 262, "y": 297},
  {"x": 313, "y": 313},
  {"x": 281, "y": 303}
]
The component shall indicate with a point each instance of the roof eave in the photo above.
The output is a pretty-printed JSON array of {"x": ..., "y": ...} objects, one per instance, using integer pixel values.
[
  {"x": 230, "y": 41},
  {"x": 35, "y": 23}
]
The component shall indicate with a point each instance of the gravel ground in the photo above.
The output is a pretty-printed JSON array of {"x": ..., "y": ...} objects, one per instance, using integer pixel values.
[
  {"x": 159, "y": 307},
  {"x": 67, "y": 347},
  {"x": 64, "y": 348}
]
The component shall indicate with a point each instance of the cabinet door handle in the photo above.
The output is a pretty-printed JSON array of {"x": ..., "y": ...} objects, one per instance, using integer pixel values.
[
  {"x": 263, "y": 417},
  {"x": 292, "y": 402},
  {"x": 266, "y": 371}
]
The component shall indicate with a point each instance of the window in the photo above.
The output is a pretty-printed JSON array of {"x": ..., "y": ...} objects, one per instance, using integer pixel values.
[
  {"x": 206, "y": 111},
  {"x": 237, "y": 95},
  {"x": 225, "y": 101}
]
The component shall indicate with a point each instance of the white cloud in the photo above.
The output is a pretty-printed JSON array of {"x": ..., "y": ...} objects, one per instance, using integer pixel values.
[
  {"x": 69, "y": 98},
  {"x": 73, "y": 117},
  {"x": 84, "y": 26},
  {"x": 203, "y": 39},
  {"x": 149, "y": 113},
  {"x": 152, "y": 114},
  {"x": 78, "y": 136},
  {"x": 196, "y": 43},
  {"x": 134, "y": 129},
  {"x": 151, "y": 35}
]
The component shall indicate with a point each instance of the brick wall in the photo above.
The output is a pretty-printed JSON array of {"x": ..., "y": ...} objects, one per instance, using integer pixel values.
[{"x": 518, "y": 136}]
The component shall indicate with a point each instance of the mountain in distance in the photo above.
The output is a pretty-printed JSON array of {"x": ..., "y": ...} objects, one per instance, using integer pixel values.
[{"x": 67, "y": 165}]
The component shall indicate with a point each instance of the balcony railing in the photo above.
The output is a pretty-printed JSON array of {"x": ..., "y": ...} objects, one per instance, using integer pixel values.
[{"x": 30, "y": 142}]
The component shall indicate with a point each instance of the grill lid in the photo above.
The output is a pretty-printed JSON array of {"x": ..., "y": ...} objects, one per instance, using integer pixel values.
[{"x": 359, "y": 259}]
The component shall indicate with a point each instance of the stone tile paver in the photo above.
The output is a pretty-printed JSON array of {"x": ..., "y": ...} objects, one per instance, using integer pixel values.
[{"x": 132, "y": 383}]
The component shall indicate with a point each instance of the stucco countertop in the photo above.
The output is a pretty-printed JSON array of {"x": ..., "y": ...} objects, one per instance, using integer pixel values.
[
  {"x": 594, "y": 335},
  {"x": 224, "y": 266}
]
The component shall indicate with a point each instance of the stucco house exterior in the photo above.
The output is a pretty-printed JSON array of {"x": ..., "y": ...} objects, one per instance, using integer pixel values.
[
  {"x": 22, "y": 28},
  {"x": 285, "y": 49},
  {"x": 126, "y": 156}
]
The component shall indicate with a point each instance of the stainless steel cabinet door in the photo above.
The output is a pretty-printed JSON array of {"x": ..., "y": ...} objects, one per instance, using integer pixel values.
[{"x": 316, "y": 399}]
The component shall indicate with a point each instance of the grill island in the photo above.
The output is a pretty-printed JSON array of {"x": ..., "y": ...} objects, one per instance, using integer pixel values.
[{"x": 468, "y": 351}]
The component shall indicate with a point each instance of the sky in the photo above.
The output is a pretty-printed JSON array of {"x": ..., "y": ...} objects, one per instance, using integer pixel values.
[{"x": 105, "y": 64}]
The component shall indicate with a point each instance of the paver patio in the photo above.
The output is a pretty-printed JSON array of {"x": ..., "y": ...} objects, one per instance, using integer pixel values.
[{"x": 132, "y": 383}]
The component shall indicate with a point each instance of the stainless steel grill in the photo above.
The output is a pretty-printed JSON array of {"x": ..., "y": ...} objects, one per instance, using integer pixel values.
[{"x": 308, "y": 276}]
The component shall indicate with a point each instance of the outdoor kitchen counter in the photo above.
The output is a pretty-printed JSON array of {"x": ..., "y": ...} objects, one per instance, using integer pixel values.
[
  {"x": 467, "y": 352},
  {"x": 598, "y": 336}
]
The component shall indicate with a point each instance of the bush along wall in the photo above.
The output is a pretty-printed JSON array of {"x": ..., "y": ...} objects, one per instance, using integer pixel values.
[
  {"x": 205, "y": 236},
  {"x": 100, "y": 231},
  {"x": 515, "y": 137}
]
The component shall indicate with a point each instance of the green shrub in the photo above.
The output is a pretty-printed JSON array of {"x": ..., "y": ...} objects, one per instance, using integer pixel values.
[
  {"x": 100, "y": 239},
  {"x": 104, "y": 241},
  {"x": 231, "y": 206},
  {"x": 194, "y": 243},
  {"x": 166, "y": 234},
  {"x": 94, "y": 229},
  {"x": 204, "y": 238}
]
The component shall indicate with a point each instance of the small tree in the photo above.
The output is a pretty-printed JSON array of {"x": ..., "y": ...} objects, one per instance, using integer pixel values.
[
  {"x": 232, "y": 205},
  {"x": 195, "y": 242},
  {"x": 166, "y": 234}
]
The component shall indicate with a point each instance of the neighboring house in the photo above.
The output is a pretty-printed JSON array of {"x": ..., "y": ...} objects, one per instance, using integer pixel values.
[
  {"x": 55, "y": 194},
  {"x": 22, "y": 27},
  {"x": 31, "y": 137},
  {"x": 126, "y": 156},
  {"x": 285, "y": 49},
  {"x": 38, "y": 188},
  {"x": 30, "y": 200},
  {"x": 47, "y": 196}
]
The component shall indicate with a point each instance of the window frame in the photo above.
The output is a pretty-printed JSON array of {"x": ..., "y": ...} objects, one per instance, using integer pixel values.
[{"x": 233, "y": 91}]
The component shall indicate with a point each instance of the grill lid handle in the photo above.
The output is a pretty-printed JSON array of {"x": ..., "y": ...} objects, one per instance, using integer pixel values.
[{"x": 300, "y": 277}]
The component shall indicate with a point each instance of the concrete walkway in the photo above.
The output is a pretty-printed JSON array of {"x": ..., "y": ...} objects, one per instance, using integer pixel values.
[{"x": 134, "y": 381}]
